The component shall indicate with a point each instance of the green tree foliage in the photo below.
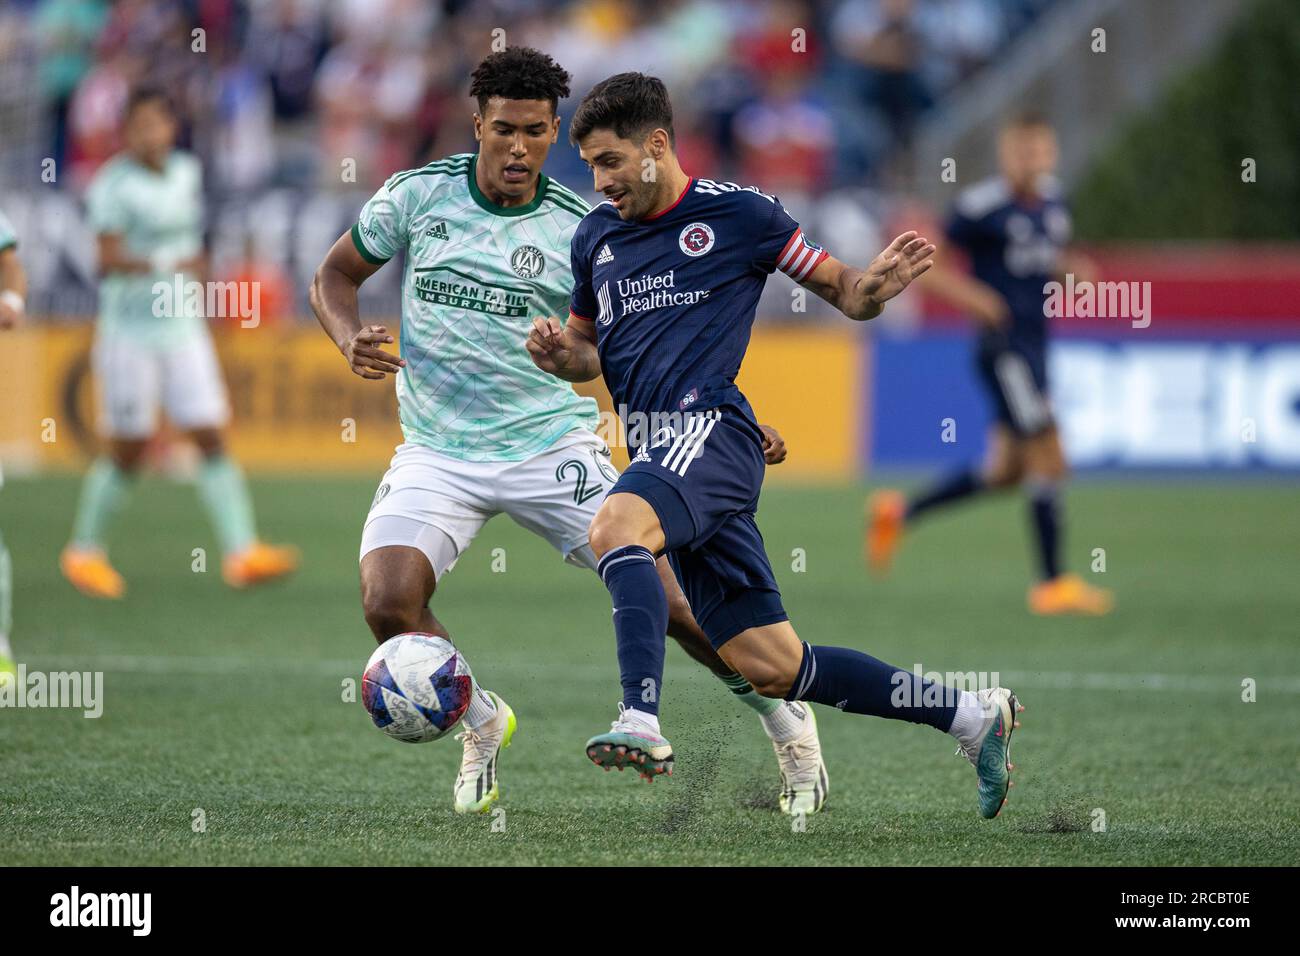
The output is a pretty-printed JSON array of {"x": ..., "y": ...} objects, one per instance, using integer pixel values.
[{"x": 1175, "y": 171}]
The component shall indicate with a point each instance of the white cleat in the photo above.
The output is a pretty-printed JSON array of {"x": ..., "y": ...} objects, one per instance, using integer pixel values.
[
  {"x": 804, "y": 781},
  {"x": 476, "y": 785}
]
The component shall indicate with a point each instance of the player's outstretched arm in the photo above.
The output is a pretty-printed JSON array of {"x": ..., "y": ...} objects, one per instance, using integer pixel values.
[
  {"x": 333, "y": 297},
  {"x": 965, "y": 292},
  {"x": 862, "y": 293},
  {"x": 565, "y": 351}
]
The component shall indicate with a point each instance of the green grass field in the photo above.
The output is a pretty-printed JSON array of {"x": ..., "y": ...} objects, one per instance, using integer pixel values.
[{"x": 232, "y": 702}]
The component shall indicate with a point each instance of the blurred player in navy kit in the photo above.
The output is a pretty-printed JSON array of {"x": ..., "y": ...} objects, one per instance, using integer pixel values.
[{"x": 1015, "y": 229}]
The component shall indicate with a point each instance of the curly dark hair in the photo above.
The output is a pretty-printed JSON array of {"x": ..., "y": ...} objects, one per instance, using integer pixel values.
[
  {"x": 519, "y": 73},
  {"x": 630, "y": 104}
]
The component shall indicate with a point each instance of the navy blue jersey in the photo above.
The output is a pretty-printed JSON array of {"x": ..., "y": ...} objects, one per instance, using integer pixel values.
[
  {"x": 1015, "y": 248},
  {"x": 673, "y": 296}
]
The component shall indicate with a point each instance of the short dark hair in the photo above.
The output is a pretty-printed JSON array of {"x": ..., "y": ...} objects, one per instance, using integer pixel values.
[
  {"x": 143, "y": 95},
  {"x": 1027, "y": 119},
  {"x": 519, "y": 73},
  {"x": 630, "y": 104}
]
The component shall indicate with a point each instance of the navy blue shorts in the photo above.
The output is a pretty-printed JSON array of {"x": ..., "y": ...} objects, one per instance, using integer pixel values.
[
  {"x": 702, "y": 477},
  {"x": 1016, "y": 383}
]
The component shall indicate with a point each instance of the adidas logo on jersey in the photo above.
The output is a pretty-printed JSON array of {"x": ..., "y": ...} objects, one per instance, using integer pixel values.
[
  {"x": 606, "y": 255},
  {"x": 438, "y": 231}
]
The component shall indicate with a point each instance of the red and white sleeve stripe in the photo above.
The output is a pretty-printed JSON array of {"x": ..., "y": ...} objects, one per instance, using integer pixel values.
[{"x": 800, "y": 257}]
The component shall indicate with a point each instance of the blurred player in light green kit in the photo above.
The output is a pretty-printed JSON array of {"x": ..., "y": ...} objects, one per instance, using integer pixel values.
[
  {"x": 13, "y": 303},
  {"x": 146, "y": 207}
]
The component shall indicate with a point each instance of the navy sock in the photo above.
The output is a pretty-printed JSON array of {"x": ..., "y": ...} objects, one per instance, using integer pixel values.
[
  {"x": 640, "y": 623},
  {"x": 860, "y": 684},
  {"x": 1044, "y": 507},
  {"x": 952, "y": 488}
]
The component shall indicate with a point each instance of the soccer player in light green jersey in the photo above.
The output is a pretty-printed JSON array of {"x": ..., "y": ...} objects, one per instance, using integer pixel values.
[
  {"x": 486, "y": 238},
  {"x": 146, "y": 208},
  {"x": 13, "y": 299}
]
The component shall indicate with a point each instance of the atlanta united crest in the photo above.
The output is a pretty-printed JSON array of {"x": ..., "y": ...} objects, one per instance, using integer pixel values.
[
  {"x": 528, "y": 262},
  {"x": 696, "y": 239}
]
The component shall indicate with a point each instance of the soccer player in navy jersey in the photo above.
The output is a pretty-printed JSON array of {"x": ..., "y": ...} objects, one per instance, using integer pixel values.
[
  {"x": 667, "y": 275},
  {"x": 1015, "y": 228}
]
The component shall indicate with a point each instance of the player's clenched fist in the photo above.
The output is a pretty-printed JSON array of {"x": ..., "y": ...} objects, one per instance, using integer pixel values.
[
  {"x": 365, "y": 355},
  {"x": 773, "y": 445},
  {"x": 545, "y": 343}
]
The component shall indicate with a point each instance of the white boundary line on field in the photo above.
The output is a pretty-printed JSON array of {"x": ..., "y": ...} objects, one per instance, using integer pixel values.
[{"x": 341, "y": 667}]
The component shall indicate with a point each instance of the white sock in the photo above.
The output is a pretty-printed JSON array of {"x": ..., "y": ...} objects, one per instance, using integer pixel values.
[
  {"x": 786, "y": 722},
  {"x": 969, "y": 720},
  {"x": 482, "y": 708},
  {"x": 650, "y": 720}
]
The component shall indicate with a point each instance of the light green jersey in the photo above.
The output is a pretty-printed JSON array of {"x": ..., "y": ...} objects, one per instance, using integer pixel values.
[
  {"x": 476, "y": 276},
  {"x": 8, "y": 238},
  {"x": 157, "y": 214}
]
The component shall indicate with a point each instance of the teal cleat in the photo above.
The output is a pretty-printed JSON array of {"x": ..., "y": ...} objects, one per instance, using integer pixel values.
[
  {"x": 630, "y": 743},
  {"x": 990, "y": 752}
]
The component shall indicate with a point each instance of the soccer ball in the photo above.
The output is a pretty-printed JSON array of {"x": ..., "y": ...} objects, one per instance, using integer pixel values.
[{"x": 416, "y": 687}]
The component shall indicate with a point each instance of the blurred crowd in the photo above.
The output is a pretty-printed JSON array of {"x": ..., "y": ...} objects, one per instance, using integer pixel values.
[
  {"x": 299, "y": 109},
  {"x": 801, "y": 96}
]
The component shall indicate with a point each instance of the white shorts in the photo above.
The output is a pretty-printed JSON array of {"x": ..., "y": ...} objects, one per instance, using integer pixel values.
[
  {"x": 438, "y": 504},
  {"x": 133, "y": 380}
]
